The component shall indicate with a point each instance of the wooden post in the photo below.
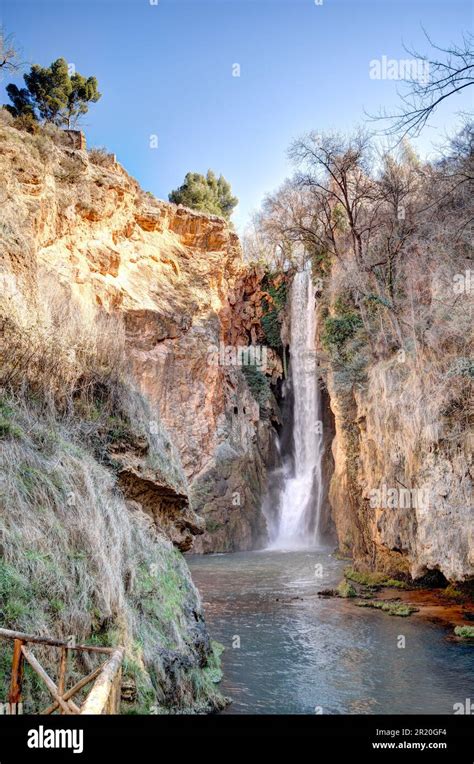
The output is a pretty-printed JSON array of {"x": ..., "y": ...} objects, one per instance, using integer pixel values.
[
  {"x": 72, "y": 691},
  {"x": 115, "y": 694},
  {"x": 97, "y": 699},
  {"x": 62, "y": 674},
  {"x": 9, "y": 634},
  {"x": 69, "y": 707},
  {"x": 17, "y": 673}
]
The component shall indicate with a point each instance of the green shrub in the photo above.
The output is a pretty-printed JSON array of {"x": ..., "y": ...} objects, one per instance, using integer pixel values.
[
  {"x": 391, "y": 608},
  {"x": 279, "y": 294},
  {"x": 271, "y": 319},
  {"x": 338, "y": 330},
  {"x": 258, "y": 383},
  {"x": 9, "y": 430},
  {"x": 271, "y": 327},
  {"x": 345, "y": 589},
  {"x": 205, "y": 193},
  {"x": 374, "y": 579}
]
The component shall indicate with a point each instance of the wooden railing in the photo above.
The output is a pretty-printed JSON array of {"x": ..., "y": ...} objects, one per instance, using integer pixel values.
[{"x": 104, "y": 695}]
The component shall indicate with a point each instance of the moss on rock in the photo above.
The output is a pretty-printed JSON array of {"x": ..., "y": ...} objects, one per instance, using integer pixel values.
[
  {"x": 374, "y": 579},
  {"x": 401, "y": 609},
  {"x": 465, "y": 632},
  {"x": 76, "y": 561},
  {"x": 345, "y": 589}
]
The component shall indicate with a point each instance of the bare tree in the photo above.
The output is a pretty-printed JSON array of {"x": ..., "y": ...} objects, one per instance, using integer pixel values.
[
  {"x": 395, "y": 234},
  {"x": 447, "y": 74},
  {"x": 329, "y": 207},
  {"x": 9, "y": 56},
  {"x": 337, "y": 171}
]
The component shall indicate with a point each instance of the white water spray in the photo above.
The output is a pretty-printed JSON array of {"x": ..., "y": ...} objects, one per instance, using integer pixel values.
[{"x": 301, "y": 496}]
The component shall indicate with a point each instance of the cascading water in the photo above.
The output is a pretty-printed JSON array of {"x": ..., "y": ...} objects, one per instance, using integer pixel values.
[{"x": 301, "y": 494}]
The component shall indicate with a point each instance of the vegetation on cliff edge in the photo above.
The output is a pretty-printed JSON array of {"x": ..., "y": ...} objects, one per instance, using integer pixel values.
[{"x": 206, "y": 194}]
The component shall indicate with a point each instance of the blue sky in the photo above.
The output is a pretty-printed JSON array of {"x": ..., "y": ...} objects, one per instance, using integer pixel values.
[{"x": 165, "y": 69}]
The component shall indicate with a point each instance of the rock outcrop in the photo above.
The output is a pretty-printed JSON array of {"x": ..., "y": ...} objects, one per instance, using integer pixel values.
[
  {"x": 116, "y": 312},
  {"x": 176, "y": 282},
  {"x": 401, "y": 489},
  {"x": 380, "y": 445}
]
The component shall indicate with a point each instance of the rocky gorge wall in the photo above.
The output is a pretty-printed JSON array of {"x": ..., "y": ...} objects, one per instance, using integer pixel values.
[
  {"x": 175, "y": 281},
  {"x": 397, "y": 460},
  {"x": 378, "y": 446},
  {"x": 401, "y": 489},
  {"x": 118, "y": 401},
  {"x": 175, "y": 284}
]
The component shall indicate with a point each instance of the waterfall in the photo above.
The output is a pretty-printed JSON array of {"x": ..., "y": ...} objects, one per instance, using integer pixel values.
[{"x": 301, "y": 492}]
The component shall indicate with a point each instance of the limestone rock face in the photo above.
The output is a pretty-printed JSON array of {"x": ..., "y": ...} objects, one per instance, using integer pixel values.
[
  {"x": 150, "y": 491},
  {"x": 382, "y": 441},
  {"x": 176, "y": 281}
]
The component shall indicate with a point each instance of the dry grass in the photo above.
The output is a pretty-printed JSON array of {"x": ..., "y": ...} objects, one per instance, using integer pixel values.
[
  {"x": 75, "y": 364},
  {"x": 100, "y": 156},
  {"x": 55, "y": 350},
  {"x": 75, "y": 561}
]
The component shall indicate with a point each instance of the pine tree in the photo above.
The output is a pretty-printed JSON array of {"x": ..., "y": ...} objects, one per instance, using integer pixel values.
[
  {"x": 205, "y": 193},
  {"x": 53, "y": 95},
  {"x": 21, "y": 102}
]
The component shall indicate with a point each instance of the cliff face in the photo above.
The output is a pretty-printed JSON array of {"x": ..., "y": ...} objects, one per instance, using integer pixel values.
[
  {"x": 116, "y": 311},
  {"x": 402, "y": 482},
  {"x": 426, "y": 523},
  {"x": 195, "y": 460},
  {"x": 175, "y": 282}
]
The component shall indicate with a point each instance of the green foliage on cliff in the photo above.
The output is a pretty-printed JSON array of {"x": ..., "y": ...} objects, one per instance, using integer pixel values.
[
  {"x": 278, "y": 292},
  {"x": 258, "y": 383},
  {"x": 339, "y": 329},
  {"x": 271, "y": 319},
  {"x": 320, "y": 262},
  {"x": 345, "y": 337},
  {"x": 53, "y": 94},
  {"x": 271, "y": 327},
  {"x": 206, "y": 193}
]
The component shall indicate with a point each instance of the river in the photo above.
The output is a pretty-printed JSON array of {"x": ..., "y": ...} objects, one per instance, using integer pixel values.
[{"x": 300, "y": 653}]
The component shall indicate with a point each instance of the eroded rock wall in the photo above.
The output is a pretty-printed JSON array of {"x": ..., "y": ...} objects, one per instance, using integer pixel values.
[
  {"x": 176, "y": 281},
  {"x": 401, "y": 489},
  {"x": 380, "y": 441}
]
